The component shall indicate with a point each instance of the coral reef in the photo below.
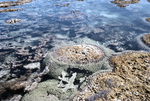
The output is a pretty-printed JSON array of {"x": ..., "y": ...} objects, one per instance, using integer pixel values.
[
  {"x": 130, "y": 80},
  {"x": 79, "y": 54},
  {"x": 7, "y": 4},
  {"x": 146, "y": 39},
  {"x": 9, "y": 10},
  {"x": 13, "y": 3},
  {"x": 46, "y": 90},
  {"x": 69, "y": 81},
  {"x": 13, "y": 21},
  {"x": 143, "y": 41},
  {"x": 124, "y": 3},
  {"x": 84, "y": 59},
  {"x": 21, "y": 69}
]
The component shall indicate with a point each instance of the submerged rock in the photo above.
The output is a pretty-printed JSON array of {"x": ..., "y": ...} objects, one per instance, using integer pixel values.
[
  {"x": 130, "y": 80},
  {"x": 13, "y": 21},
  {"x": 148, "y": 19}
]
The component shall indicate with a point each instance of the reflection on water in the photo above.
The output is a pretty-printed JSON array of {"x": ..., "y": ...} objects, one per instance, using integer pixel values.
[{"x": 124, "y": 3}]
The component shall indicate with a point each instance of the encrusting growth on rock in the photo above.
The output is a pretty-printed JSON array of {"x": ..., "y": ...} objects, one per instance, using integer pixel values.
[
  {"x": 130, "y": 80},
  {"x": 79, "y": 54}
]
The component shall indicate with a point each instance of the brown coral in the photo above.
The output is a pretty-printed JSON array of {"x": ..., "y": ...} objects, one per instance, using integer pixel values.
[
  {"x": 9, "y": 10},
  {"x": 130, "y": 80},
  {"x": 80, "y": 54},
  {"x": 6, "y": 4},
  {"x": 148, "y": 19},
  {"x": 146, "y": 39},
  {"x": 124, "y": 3}
]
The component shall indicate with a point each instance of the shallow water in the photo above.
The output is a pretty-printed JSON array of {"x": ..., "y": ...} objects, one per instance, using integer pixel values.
[
  {"x": 100, "y": 20},
  {"x": 104, "y": 22}
]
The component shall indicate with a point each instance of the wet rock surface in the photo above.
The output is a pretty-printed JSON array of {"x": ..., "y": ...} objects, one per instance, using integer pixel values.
[
  {"x": 130, "y": 80},
  {"x": 13, "y": 21},
  {"x": 146, "y": 39}
]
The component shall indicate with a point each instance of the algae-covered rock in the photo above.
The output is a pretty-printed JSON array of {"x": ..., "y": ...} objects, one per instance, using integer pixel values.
[
  {"x": 84, "y": 59},
  {"x": 48, "y": 91},
  {"x": 130, "y": 80}
]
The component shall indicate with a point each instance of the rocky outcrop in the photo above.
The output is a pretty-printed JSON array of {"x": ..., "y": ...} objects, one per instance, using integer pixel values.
[{"x": 130, "y": 80}]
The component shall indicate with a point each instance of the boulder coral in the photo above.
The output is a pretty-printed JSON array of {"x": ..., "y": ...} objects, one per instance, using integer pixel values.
[
  {"x": 129, "y": 81},
  {"x": 84, "y": 59},
  {"x": 78, "y": 54}
]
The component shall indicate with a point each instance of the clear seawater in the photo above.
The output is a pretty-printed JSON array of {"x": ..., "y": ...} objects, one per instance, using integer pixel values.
[{"x": 100, "y": 20}]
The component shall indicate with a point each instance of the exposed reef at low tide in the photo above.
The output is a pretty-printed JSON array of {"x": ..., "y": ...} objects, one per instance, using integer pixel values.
[
  {"x": 84, "y": 58},
  {"x": 129, "y": 81},
  {"x": 143, "y": 41}
]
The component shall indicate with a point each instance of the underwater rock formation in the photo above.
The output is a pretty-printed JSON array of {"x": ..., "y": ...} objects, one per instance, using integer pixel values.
[
  {"x": 129, "y": 81},
  {"x": 84, "y": 59},
  {"x": 13, "y": 21},
  {"x": 143, "y": 41},
  {"x": 124, "y": 3}
]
